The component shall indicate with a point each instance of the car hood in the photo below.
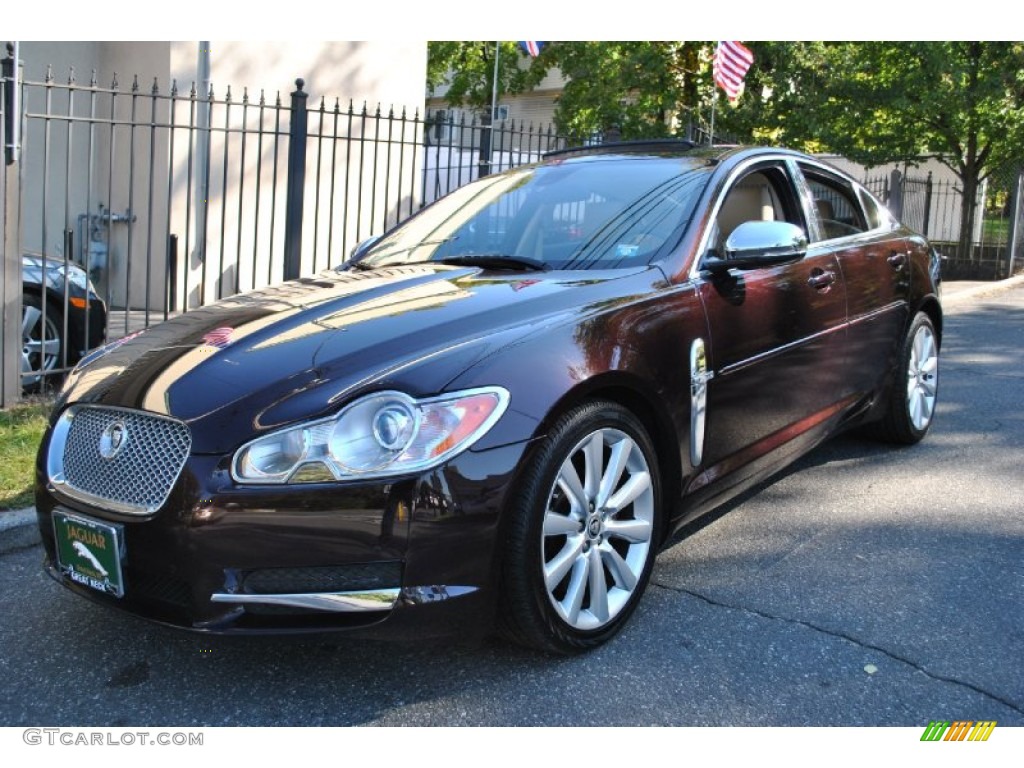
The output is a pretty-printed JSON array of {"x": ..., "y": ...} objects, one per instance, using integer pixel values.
[
  {"x": 32, "y": 268},
  {"x": 258, "y": 361}
]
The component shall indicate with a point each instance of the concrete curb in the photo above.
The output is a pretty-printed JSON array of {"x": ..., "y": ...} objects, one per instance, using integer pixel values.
[
  {"x": 18, "y": 530},
  {"x": 954, "y": 297}
]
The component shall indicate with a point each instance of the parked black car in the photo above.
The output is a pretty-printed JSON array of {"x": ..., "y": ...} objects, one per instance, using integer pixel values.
[
  {"x": 498, "y": 412},
  {"x": 56, "y": 335}
]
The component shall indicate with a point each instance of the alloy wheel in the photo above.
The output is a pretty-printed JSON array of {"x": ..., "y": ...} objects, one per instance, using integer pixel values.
[
  {"x": 40, "y": 343},
  {"x": 598, "y": 529},
  {"x": 922, "y": 377}
]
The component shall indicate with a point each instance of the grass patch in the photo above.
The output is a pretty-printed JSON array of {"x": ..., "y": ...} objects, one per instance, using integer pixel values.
[
  {"x": 995, "y": 231},
  {"x": 21, "y": 429}
]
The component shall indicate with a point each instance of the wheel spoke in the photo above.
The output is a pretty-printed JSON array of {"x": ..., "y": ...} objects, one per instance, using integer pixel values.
[
  {"x": 51, "y": 347},
  {"x": 620, "y": 570},
  {"x": 613, "y": 472},
  {"x": 924, "y": 348},
  {"x": 637, "y": 484},
  {"x": 559, "y": 565},
  {"x": 593, "y": 453},
  {"x": 572, "y": 487},
  {"x": 29, "y": 317},
  {"x": 633, "y": 531},
  {"x": 915, "y": 408},
  {"x": 560, "y": 525},
  {"x": 598, "y": 587},
  {"x": 577, "y": 589}
]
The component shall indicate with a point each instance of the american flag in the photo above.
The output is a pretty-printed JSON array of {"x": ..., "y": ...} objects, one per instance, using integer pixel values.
[
  {"x": 532, "y": 47},
  {"x": 731, "y": 62},
  {"x": 219, "y": 337}
]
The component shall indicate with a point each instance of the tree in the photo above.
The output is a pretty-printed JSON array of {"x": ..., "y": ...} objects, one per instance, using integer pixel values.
[
  {"x": 879, "y": 102},
  {"x": 644, "y": 89},
  {"x": 467, "y": 68}
]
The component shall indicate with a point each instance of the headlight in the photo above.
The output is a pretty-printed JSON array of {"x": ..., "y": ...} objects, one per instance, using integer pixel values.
[{"x": 383, "y": 434}]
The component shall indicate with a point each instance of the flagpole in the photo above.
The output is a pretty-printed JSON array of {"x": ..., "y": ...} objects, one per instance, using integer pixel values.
[
  {"x": 714, "y": 99},
  {"x": 494, "y": 85}
]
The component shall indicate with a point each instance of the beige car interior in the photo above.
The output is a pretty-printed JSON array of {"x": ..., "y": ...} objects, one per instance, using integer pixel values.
[{"x": 753, "y": 199}]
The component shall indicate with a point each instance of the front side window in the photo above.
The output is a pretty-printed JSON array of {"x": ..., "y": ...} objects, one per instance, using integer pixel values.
[
  {"x": 594, "y": 213},
  {"x": 764, "y": 194}
]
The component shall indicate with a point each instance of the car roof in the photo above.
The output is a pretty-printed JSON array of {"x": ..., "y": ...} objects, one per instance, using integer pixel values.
[{"x": 667, "y": 148}]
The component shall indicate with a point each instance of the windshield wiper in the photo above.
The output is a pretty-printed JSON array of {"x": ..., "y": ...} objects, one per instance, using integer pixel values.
[{"x": 495, "y": 261}]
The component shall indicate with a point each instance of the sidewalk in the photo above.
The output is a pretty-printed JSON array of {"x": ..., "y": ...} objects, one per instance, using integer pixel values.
[
  {"x": 18, "y": 527},
  {"x": 956, "y": 291}
]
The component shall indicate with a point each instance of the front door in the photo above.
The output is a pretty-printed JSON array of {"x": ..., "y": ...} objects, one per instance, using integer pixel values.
[{"x": 776, "y": 336}]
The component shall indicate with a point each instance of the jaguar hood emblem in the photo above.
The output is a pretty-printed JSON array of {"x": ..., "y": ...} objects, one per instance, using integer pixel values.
[{"x": 113, "y": 439}]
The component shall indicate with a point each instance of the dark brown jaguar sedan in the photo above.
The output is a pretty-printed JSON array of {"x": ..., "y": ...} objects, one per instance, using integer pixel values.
[{"x": 495, "y": 414}]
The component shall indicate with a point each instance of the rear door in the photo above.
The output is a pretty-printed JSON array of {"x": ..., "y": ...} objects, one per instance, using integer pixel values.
[{"x": 875, "y": 266}]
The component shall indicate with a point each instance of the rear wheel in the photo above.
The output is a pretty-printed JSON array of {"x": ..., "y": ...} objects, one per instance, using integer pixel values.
[
  {"x": 912, "y": 399},
  {"x": 583, "y": 532}
]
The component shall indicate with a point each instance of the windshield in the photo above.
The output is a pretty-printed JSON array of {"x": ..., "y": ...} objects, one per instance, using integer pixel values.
[{"x": 593, "y": 213}]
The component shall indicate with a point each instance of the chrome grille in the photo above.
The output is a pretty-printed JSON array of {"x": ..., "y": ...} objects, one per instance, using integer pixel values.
[{"x": 133, "y": 473}]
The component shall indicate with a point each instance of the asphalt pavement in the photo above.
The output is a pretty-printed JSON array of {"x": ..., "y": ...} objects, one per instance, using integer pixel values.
[{"x": 866, "y": 585}]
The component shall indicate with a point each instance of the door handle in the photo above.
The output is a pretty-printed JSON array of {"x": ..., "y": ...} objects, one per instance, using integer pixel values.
[
  {"x": 898, "y": 261},
  {"x": 821, "y": 279}
]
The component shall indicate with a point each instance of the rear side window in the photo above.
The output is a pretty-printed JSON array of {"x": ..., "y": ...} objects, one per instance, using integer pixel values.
[{"x": 836, "y": 205}]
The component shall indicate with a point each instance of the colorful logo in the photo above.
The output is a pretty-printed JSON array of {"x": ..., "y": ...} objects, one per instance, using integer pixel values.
[{"x": 959, "y": 730}]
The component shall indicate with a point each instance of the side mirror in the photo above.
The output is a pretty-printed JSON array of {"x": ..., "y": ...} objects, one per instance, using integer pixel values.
[{"x": 758, "y": 244}]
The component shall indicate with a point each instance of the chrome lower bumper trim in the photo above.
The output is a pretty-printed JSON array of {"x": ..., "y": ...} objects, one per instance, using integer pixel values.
[
  {"x": 350, "y": 602},
  {"x": 337, "y": 602}
]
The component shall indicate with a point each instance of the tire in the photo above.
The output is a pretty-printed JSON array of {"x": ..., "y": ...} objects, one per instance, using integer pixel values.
[
  {"x": 42, "y": 345},
  {"x": 571, "y": 577},
  {"x": 910, "y": 409}
]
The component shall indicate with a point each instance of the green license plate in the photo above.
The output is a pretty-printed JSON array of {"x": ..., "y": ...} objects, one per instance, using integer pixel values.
[{"x": 90, "y": 552}]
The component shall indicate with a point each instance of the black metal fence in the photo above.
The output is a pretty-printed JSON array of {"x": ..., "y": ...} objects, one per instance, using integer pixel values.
[
  {"x": 992, "y": 249},
  {"x": 170, "y": 198}
]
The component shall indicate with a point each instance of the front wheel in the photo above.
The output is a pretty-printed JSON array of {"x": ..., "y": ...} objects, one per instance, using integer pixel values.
[
  {"x": 583, "y": 532},
  {"x": 41, "y": 342},
  {"x": 911, "y": 407}
]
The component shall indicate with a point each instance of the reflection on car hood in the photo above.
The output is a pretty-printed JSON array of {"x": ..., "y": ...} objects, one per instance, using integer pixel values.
[
  {"x": 258, "y": 361},
  {"x": 32, "y": 269}
]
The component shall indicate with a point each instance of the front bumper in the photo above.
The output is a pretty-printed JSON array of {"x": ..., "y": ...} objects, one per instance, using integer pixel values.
[
  {"x": 87, "y": 328},
  {"x": 414, "y": 557}
]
